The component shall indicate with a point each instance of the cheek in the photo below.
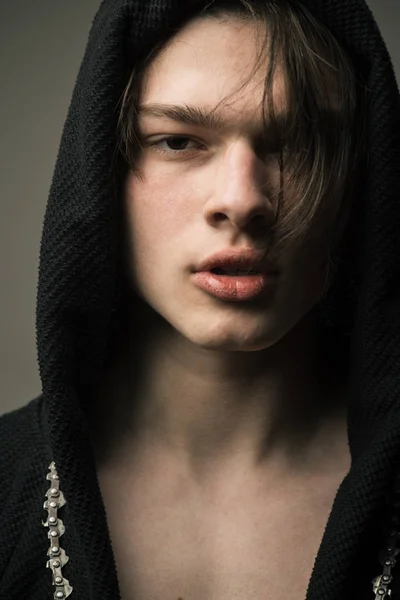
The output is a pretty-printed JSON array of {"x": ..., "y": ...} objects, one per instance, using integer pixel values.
[
  {"x": 314, "y": 282},
  {"x": 306, "y": 278},
  {"x": 157, "y": 216}
]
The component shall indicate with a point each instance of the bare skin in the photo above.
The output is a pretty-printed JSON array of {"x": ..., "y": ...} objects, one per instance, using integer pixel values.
[
  {"x": 223, "y": 534},
  {"x": 251, "y": 536},
  {"x": 219, "y": 437},
  {"x": 219, "y": 524}
]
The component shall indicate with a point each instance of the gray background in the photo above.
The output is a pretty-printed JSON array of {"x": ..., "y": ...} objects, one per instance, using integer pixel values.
[{"x": 41, "y": 46}]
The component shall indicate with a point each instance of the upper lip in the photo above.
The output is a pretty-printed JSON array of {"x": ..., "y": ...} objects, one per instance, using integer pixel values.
[{"x": 237, "y": 259}]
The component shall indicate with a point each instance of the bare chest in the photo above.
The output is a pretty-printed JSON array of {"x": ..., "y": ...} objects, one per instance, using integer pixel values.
[{"x": 171, "y": 545}]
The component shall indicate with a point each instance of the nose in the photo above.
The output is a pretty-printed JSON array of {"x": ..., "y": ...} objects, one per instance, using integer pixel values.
[{"x": 245, "y": 189}]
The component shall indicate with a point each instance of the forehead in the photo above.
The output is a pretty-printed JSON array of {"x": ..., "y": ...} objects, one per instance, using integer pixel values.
[{"x": 207, "y": 62}]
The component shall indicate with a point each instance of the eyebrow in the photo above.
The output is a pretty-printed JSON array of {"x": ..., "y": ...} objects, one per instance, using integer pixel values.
[{"x": 197, "y": 115}]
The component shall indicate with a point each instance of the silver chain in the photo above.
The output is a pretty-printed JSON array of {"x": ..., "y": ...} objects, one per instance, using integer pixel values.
[
  {"x": 381, "y": 585},
  {"x": 57, "y": 556}
]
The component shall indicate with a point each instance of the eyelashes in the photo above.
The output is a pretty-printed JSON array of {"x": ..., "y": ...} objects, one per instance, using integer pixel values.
[
  {"x": 176, "y": 146},
  {"x": 175, "y": 140}
]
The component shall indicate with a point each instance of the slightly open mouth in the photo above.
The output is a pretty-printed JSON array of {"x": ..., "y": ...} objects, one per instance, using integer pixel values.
[{"x": 234, "y": 272}]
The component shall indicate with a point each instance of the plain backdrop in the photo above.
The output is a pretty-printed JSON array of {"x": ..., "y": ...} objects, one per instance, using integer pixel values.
[{"x": 41, "y": 47}]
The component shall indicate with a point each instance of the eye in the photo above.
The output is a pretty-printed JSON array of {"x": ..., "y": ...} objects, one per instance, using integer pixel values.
[{"x": 176, "y": 144}]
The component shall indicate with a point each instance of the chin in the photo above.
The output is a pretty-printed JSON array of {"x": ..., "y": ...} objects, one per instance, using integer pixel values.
[{"x": 233, "y": 339}]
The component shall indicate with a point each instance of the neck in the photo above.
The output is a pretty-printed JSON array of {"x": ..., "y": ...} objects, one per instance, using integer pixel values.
[{"x": 211, "y": 409}]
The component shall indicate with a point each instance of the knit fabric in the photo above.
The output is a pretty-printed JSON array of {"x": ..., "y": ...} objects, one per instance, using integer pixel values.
[{"x": 78, "y": 303}]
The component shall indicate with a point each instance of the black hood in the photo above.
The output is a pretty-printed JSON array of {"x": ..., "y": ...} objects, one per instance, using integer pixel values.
[{"x": 80, "y": 294}]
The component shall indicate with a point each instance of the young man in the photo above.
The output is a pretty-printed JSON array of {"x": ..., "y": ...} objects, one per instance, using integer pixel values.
[{"x": 218, "y": 278}]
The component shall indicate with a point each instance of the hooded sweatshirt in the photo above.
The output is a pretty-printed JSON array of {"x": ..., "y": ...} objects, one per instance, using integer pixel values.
[{"x": 54, "y": 536}]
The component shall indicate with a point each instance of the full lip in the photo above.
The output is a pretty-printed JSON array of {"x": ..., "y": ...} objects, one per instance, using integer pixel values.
[{"x": 231, "y": 259}]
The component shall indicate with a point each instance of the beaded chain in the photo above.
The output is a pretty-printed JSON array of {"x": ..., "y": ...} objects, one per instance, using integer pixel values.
[
  {"x": 58, "y": 558},
  {"x": 382, "y": 584}
]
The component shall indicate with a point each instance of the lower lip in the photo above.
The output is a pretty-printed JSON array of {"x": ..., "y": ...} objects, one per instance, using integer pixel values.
[{"x": 234, "y": 288}]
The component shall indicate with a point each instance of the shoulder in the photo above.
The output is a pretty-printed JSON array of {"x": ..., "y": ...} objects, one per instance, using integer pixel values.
[
  {"x": 24, "y": 448},
  {"x": 24, "y": 460},
  {"x": 20, "y": 433}
]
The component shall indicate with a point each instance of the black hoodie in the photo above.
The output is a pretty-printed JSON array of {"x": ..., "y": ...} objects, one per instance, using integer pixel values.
[{"x": 79, "y": 297}]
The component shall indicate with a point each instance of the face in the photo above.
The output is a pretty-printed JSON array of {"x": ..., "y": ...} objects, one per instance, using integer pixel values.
[{"x": 211, "y": 189}]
